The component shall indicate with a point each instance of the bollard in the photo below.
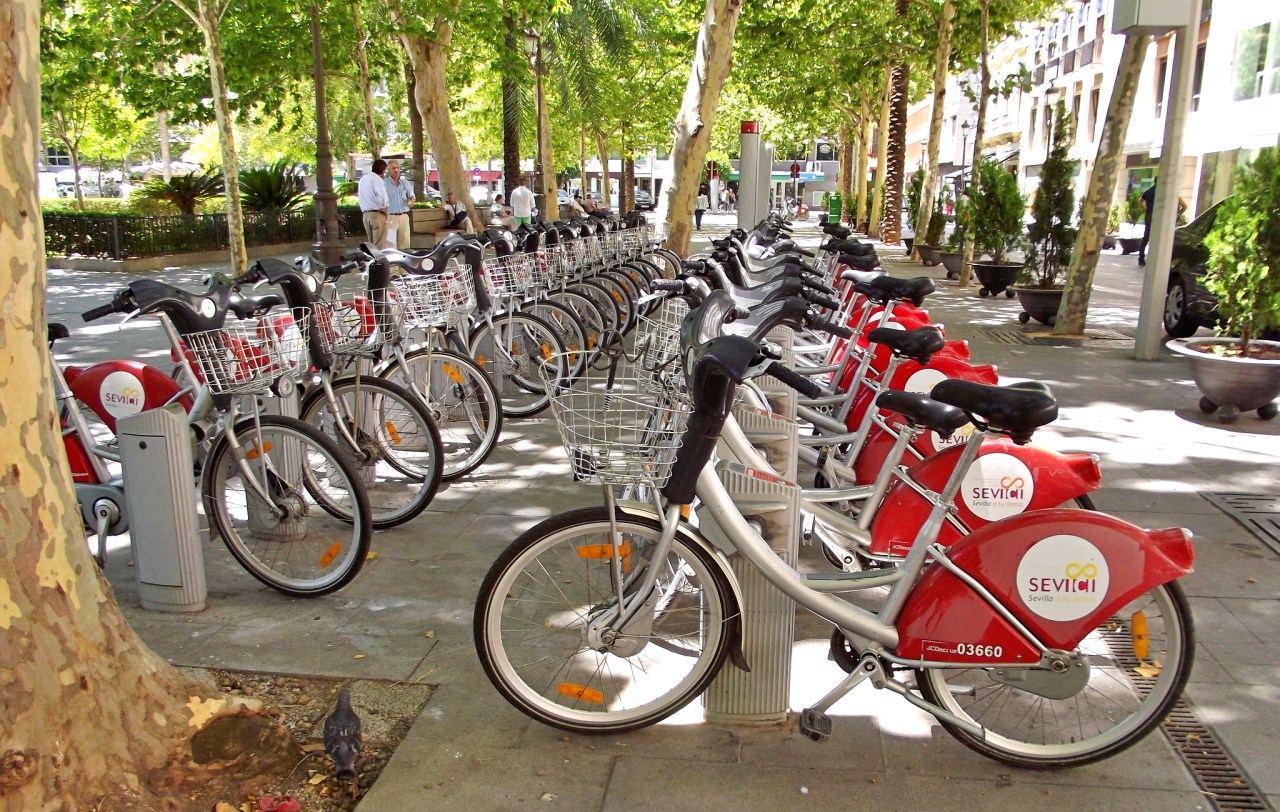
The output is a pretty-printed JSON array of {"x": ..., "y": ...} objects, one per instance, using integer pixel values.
[
  {"x": 762, "y": 695},
  {"x": 155, "y": 453}
]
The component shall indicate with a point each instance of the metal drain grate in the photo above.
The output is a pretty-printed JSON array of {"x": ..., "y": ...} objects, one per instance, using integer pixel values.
[
  {"x": 1094, "y": 337},
  {"x": 1260, "y": 514},
  {"x": 1224, "y": 784},
  {"x": 1005, "y": 336}
]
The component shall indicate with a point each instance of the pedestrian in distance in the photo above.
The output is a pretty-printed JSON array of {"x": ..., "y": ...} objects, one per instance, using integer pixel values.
[
  {"x": 575, "y": 205},
  {"x": 699, "y": 208},
  {"x": 522, "y": 203},
  {"x": 500, "y": 213},
  {"x": 457, "y": 214},
  {"x": 1148, "y": 203},
  {"x": 375, "y": 205},
  {"x": 399, "y": 196}
]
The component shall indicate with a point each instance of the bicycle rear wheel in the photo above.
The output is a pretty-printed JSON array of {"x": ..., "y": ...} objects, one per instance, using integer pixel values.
[
  {"x": 538, "y": 598},
  {"x": 292, "y": 544},
  {"x": 511, "y": 350},
  {"x": 398, "y": 454},
  {"x": 1138, "y": 660}
]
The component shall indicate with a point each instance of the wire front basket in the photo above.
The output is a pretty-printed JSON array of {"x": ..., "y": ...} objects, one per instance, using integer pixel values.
[
  {"x": 348, "y": 326},
  {"x": 615, "y": 424},
  {"x": 658, "y": 339},
  {"x": 423, "y": 301},
  {"x": 247, "y": 356},
  {"x": 507, "y": 276}
]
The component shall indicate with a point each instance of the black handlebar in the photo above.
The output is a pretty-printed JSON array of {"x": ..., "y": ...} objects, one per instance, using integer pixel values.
[
  {"x": 122, "y": 303},
  {"x": 820, "y": 300},
  {"x": 829, "y": 326},
  {"x": 667, "y": 286},
  {"x": 795, "y": 380}
]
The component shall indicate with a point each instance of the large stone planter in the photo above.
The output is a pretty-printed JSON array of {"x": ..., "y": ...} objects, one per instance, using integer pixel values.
[
  {"x": 1129, "y": 244},
  {"x": 1232, "y": 385},
  {"x": 427, "y": 221},
  {"x": 1040, "y": 304},
  {"x": 1109, "y": 242},
  {"x": 995, "y": 278},
  {"x": 929, "y": 254},
  {"x": 953, "y": 261}
]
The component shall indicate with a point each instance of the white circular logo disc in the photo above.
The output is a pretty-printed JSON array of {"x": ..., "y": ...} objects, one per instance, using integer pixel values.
[
  {"x": 1063, "y": 578},
  {"x": 121, "y": 394},
  {"x": 997, "y": 486}
]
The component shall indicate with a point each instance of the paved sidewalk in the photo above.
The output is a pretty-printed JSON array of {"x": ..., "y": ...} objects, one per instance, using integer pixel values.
[{"x": 470, "y": 750}]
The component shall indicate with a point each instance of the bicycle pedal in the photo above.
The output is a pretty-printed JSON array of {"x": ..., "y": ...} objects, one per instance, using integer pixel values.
[{"x": 815, "y": 724}]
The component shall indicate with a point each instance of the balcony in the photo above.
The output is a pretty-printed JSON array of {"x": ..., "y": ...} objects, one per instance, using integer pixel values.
[
  {"x": 1038, "y": 76},
  {"x": 1068, "y": 62},
  {"x": 1086, "y": 54}
]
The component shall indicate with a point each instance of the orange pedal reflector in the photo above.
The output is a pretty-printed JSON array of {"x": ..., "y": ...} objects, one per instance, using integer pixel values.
[
  {"x": 1138, "y": 631},
  {"x": 253, "y": 453},
  {"x": 453, "y": 373},
  {"x": 395, "y": 435},
  {"x": 330, "y": 554},
  {"x": 581, "y": 692}
]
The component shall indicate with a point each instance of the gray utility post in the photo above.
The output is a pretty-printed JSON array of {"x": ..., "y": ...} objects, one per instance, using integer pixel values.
[
  {"x": 1164, "y": 213},
  {"x": 749, "y": 175}
]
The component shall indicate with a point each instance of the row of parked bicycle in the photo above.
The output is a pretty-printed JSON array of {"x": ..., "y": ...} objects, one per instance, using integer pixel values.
[{"x": 1039, "y": 635}]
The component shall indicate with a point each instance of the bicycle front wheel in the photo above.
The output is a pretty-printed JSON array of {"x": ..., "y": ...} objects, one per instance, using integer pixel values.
[
  {"x": 1138, "y": 660},
  {"x": 398, "y": 449},
  {"x": 540, "y": 595},
  {"x": 511, "y": 349},
  {"x": 287, "y": 541}
]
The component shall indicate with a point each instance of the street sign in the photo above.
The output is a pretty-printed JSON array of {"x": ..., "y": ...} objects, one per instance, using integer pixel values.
[
  {"x": 795, "y": 171},
  {"x": 712, "y": 169},
  {"x": 475, "y": 173}
]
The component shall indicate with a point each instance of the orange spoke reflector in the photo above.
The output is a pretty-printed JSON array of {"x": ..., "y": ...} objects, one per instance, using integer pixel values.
[
  {"x": 453, "y": 373},
  {"x": 591, "y": 341},
  {"x": 515, "y": 348},
  {"x": 253, "y": 453},
  {"x": 581, "y": 692},
  {"x": 330, "y": 554},
  {"x": 546, "y": 351},
  {"x": 617, "y": 296},
  {"x": 605, "y": 552},
  {"x": 395, "y": 435},
  {"x": 1138, "y": 631},
  {"x": 573, "y": 354},
  {"x": 480, "y": 361}
]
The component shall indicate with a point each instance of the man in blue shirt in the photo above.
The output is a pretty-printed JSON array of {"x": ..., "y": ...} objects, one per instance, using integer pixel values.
[
  {"x": 372, "y": 194},
  {"x": 399, "y": 195}
]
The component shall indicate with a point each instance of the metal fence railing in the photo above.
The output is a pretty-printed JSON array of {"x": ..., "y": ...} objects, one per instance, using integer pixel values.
[{"x": 130, "y": 237}]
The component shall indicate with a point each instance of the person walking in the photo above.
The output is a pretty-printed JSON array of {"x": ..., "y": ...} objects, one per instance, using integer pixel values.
[
  {"x": 522, "y": 203},
  {"x": 374, "y": 203},
  {"x": 1148, "y": 203},
  {"x": 399, "y": 196},
  {"x": 703, "y": 203}
]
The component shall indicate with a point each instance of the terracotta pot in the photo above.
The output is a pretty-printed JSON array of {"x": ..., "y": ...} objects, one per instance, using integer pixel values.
[
  {"x": 1232, "y": 385},
  {"x": 996, "y": 279},
  {"x": 1040, "y": 304}
]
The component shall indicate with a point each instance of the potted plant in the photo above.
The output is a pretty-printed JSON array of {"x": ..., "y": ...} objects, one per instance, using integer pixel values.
[
  {"x": 932, "y": 243},
  {"x": 1135, "y": 212},
  {"x": 996, "y": 212},
  {"x": 1051, "y": 235},
  {"x": 1112, "y": 238},
  {"x": 952, "y": 255},
  {"x": 1238, "y": 371},
  {"x": 912, "y": 206}
]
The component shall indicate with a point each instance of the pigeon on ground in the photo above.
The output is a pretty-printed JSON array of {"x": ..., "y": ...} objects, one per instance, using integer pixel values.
[{"x": 342, "y": 737}]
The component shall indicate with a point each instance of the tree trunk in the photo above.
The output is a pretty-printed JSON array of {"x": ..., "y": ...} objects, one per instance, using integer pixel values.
[
  {"x": 582, "y": 161},
  {"x": 1074, "y": 307},
  {"x": 510, "y": 112},
  {"x": 626, "y": 192},
  {"x": 896, "y": 165},
  {"x": 366, "y": 91},
  {"x": 928, "y": 181},
  {"x": 415, "y": 137},
  {"x": 984, "y": 93},
  {"x": 606, "y": 183},
  {"x": 430, "y": 58},
  {"x": 864, "y": 161},
  {"x": 205, "y": 15},
  {"x": 875, "y": 225},
  {"x": 545, "y": 156},
  {"x": 712, "y": 58},
  {"x": 90, "y": 713},
  {"x": 844, "y": 183},
  {"x": 166, "y": 168}
]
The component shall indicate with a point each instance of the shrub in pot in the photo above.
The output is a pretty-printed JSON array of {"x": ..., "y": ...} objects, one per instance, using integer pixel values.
[
  {"x": 1052, "y": 235},
  {"x": 996, "y": 213},
  {"x": 932, "y": 242},
  {"x": 952, "y": 254},
  {"x": 1240, "y": 372}
]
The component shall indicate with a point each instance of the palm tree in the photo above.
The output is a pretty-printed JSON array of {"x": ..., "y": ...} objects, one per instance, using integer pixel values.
[{"x": 185, "y": 192}]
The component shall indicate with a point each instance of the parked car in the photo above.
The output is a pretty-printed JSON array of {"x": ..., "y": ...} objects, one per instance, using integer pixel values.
[
  {"x": 563, "y": 198},
  {"x": 1187, "y": 305},
  {"x": 644, "y": 200},
  {"x": 481, "y": 195},
  {"x": 430, "y": 194}
]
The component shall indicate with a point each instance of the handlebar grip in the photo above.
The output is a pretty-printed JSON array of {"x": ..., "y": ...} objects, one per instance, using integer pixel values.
[
  {"x": 739, "y": 312},
  {"x": 99, "y": 312},
  {"x": 805, "y": 253},
  {"x": 829, "y": 326},
  {"x": 248, "y": 277},
  {"x": 667, "y": 286},
  {"x": 820, "y": 300},
  {"x": 818, "y": 284},
  {"x": 795, "y": 380}
]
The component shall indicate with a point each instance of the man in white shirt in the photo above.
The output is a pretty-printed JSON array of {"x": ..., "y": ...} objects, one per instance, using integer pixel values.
[
  {"x": 374, "y": 203},
  {"x": 399, "y": 196},
  {"x": 522, "y": 203},
  {"x": 457, "y": 214}
]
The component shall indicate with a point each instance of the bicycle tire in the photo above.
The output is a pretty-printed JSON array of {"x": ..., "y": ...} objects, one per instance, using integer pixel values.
[
  {"x": 621, "y": 292},
  {"x": 603, "y": 301},
  {"x": 1166, "y": 624},
  {"x": 401, "y": 456},
  {"x": 528, "y": 343},
  {"x": 337, "y": 548},
  {"x": 593, "y": 321},
  {"x": 669, "y": 261},
  {"x": 570, "y": 329},
  {"x": 556, "y": 678},
  {"x": 461, "y": 399}
]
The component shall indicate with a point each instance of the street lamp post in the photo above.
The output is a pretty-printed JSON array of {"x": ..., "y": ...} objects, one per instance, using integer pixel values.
[
  {"x": 964, "y": 155},
  {"x": 1050, "y": 113},
  {"x": 327, "y": 246}
]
